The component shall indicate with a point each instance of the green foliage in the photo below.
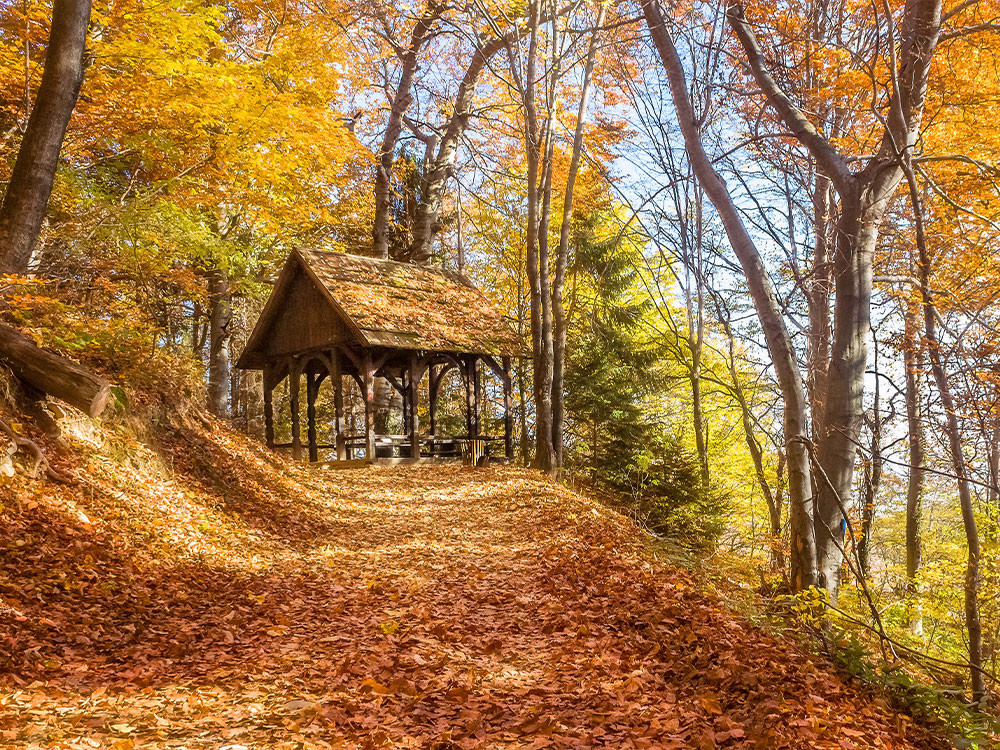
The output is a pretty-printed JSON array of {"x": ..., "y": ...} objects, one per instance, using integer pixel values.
[
  {"x": 608, "y": 376},
  {"x": 672, "y": 498},
  {"x": 613, "y": 379}
]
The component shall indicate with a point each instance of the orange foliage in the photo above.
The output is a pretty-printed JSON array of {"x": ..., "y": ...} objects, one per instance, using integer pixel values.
[{"x": 198, "y": 590}]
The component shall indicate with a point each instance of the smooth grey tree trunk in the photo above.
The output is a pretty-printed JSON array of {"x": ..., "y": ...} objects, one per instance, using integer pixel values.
[
  {"x": 872, "y": 480},
  {"x": 818, "y": 291},
  {"x": 864, "y": 196},
  {"x": 435, "y": 178},
  {"x": 401, "y": 101},
  {"x": 802, "y": 564},
  {"x": 544, "y": 453},
  {"x": 220, "y": 332}
]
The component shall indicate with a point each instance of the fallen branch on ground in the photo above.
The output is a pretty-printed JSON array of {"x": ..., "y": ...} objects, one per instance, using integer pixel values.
[{"x": 53, "y": 374}]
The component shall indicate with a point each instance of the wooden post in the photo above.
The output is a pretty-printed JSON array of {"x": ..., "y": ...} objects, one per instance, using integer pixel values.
[
  {"x": 294, "y": 371},
  {"x": 508, "y": 411},
  {"x": 477, "y": 396},
  {"x": 432, "y": 398},
  {"x": 469, "y": 406},
  {"x": 268, "y": 406},
  {"x": 312, "y": 387},
  {"x": 338, "y": 404},
  {"x": 413, "y": 381},
  {"x": 405, "y": 398},
  {"x": 368, "y": 378}
]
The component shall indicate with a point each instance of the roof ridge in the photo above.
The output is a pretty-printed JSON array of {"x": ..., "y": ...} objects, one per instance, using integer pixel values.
[{"x": 355, "y": 256}]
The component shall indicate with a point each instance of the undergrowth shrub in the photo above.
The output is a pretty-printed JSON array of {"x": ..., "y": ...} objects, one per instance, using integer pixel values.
[
  {"x": 673, "y": 500},
  {"x": 943, "y": 706},
  {"x": 111, "y": 337},
  {"x": 656, "y": 480}
]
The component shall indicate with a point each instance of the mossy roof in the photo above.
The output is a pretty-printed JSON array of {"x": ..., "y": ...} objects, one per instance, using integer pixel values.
[{"x": 400, "y": 305}]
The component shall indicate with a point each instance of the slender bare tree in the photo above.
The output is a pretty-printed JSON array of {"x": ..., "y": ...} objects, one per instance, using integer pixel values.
[
  {"x": 864, "y": 195},
  {"x": 802, "y": 561}
]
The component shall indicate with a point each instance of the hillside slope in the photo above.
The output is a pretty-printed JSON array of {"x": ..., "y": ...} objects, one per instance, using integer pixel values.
[{"x": 193, "y": 591}]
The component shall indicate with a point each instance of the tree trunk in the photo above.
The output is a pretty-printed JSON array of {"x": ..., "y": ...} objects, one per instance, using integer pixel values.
[
  {"x": 524, "y": 439},
  {"x": 544, "y": 359},
  {"x": 436, "y": 177},
  {"x": 27, "y": 197},
  {"x": 199, "y": 331},
  {"x": 993, "y": 495},
  {"x": 220, "y": 331},
  {"x": 536, "y": 282},
  {"x": 778, "y": 340},
  {"x": 772, "y": 499},
  {"x": 864, "y": 196},
  {"x": 562, "y": 252},
  {"x": 972, "y": 574},
  {"x": 843, "y": 405},
  {"x": 386, "y": 399},
  {"x": 818, "y": 301},
  {"x": 694, "y": 305},
  {"x": 872, "y": 480},
  {"x": 915, "y": 481},
  {"x": 52, "y": 374},
  {"x": 387, "y": 152}
]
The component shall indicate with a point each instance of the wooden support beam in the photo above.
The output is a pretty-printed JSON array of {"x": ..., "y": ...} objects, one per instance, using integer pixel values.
[
  {"x": 508, "y": 411},
  {"x": 477, "y": 397},
  {"x": 413, "y": 383},
  {"x": 312, "y": 387},
  {"x": 491, "y": 362},
  {"x": 357, "y": 361},
  {"x": 404, "y": 392},
  {"x": 378, "y": 359},
  {"x": 368, "y": 375},
  {"x": 398, "y": 385},
  {"x": 432, "y": 394},
  {"x": 294, "y": 373},
  {"x": 268, "y": 406},
  {"x": 469, "y": 406},
  {"x": 338, "y": 404}
]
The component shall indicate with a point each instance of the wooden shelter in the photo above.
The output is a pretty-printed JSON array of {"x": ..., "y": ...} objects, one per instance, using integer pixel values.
[{"x": 332, "y": 315}]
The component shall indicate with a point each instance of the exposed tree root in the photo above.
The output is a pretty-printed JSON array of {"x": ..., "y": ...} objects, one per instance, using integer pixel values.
[{"x": 30, "y": 446}]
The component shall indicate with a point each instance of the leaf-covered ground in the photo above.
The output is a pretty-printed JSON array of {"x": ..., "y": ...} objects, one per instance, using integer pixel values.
[{"x": 194, "y": 592}]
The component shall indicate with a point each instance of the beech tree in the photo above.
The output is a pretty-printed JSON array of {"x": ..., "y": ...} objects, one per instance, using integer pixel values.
[
  {"x": 802, "y": 563},
  {"x": 27, "y": 196}
]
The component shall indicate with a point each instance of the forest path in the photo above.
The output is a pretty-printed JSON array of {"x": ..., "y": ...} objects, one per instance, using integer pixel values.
[{"x": 381, "y": 608}]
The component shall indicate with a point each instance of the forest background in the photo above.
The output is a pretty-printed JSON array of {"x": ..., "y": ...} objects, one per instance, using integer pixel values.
[{"x": 750, "y": 250}]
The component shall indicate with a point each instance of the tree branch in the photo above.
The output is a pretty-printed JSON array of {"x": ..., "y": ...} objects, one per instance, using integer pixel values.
[{"x": 829, "y": 159}]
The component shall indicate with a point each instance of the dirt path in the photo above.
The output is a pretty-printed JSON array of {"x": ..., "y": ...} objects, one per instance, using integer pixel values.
[{"x": 409, "y": 607}]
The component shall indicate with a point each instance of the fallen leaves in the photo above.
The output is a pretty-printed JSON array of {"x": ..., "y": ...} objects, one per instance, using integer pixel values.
[{"x": 240, "y": 602}]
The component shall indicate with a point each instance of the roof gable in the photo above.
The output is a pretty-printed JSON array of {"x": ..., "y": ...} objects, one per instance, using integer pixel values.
[{"x": 383, "y": 303}]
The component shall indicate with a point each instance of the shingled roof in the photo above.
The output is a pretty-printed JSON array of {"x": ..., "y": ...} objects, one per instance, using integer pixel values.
[{"x": 395, "y": 305}]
